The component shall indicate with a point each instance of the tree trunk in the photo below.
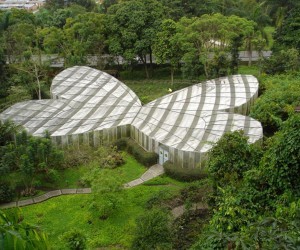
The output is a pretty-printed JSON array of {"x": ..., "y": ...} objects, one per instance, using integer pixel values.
[
  {"x": 143, "y": 58},
  {"x": 206, "y": 70},
  {"x": 146, "y": 70},
  {"x": 250, "y": 56},
  {"x": 172, "y": 75},
  {"x": 38, "y": 81}
]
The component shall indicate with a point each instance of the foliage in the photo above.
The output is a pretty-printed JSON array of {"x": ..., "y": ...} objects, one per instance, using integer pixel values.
[
  {"x": 107, "y": 192},
  {"x": 287, "y": 34},
  {"x": 133, "y": 26},
  {"x": 15, "y": 234},
  {"x": 76, "y": 212},
  {"x": 84, "y": 35},
  {"x": 281, "y": 162},
  {"x": 278, "y": 103},
  {"x": 283, "y": 61},
  {"x": 211, "y": 33},
  {"x": 7, "y": 132},
  {"x": 168, "y": 46},
  {"x": 6, "y": 192},
  {"x": 77, "y": 156},
  {"x": 231, "y": 157},
  {"x": 74, "y": 240},
  {"x": 146, "y": 158},
  {"x": 183, "y": 174},
  {"x": 109, "y": 157},
  {"x": 261, "y": 207},
  {"x": 153, "y": 231},
  {"x": 31, "y": 156}
]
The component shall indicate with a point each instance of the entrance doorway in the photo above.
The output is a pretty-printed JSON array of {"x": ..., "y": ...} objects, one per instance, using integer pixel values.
[{"x": 163, "y": 156}]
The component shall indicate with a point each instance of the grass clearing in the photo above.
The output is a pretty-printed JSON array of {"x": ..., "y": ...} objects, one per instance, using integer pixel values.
[
  {"x": 64, "y": 213},
  {"x": 149, "y": 90},
  {"x": 61, "y": 214}
]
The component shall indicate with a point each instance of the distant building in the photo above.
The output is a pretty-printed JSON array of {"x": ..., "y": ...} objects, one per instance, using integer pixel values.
[{"x": 21, "y": 4}]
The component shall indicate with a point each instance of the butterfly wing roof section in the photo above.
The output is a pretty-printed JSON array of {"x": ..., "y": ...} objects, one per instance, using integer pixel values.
[
  {"x": 84, "y": 99},
  {"x": 192, "y": 119}
]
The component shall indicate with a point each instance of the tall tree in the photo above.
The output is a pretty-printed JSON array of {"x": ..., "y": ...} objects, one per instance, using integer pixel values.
[
  {"x": 133, "y": 26},
  {"x": 168, "y": 45},
  {"x": 212, "y": 33}
]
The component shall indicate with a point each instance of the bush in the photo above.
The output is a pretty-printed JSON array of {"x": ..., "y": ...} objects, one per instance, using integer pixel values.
[
  {"x": 157, "y": 199},
  {"x": 146, "y": 158},
  {"x": 77, "y": 156},
  {"x": 6, "y": 193},
  {"x": 153, "y": 231},
  {"x": 121, "y": 143},
  {"x": 183, "y": 174},
  {"x": 282, "y": 62},
  {"x": 74, "y": 240},
  {"x": 278, "y": 102},
  {"x": 231, "y": 157},
  {"x": 109, "y": 157}
]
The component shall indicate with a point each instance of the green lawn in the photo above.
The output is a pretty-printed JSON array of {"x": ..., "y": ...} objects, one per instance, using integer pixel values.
[
  {"x": 149, "y": 90},
  {"x": 61, "y": 214}
]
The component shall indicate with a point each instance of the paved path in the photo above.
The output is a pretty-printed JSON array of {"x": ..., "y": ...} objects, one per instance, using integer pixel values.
[
  {"x": 151, "y": 173},
  {"x": 46, "y": 196},
  {"x": 178, "y": 211}
]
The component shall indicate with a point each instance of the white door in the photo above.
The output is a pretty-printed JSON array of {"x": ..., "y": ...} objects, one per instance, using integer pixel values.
[
  {"x": 166, "y": 156},
  {"x": 163, "y": 156}
]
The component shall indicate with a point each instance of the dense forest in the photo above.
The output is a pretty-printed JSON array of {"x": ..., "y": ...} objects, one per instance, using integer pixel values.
[{"x": 252, "y": 192}]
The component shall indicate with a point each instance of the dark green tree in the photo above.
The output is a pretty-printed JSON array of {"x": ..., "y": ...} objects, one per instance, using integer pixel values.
[
  {"x": 133, "y": 26},
  {"x": 288, "y": 34},
  {"x": 231, "y": 157},
  {"x": 168, "y": 45},
  {"x": 281, "y": 162}
]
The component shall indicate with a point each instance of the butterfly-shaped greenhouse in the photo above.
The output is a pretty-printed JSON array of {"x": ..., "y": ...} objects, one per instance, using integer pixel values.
[{"x": 90, "y": 106}]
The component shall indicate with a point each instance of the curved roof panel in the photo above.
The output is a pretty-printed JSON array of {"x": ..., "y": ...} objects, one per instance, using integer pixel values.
[
  {"x": 88, "y": 100},
  {"x": 193, "y": 118}
]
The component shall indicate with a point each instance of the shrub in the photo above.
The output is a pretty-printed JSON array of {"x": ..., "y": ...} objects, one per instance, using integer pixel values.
[
  {"x": 231, "y": 157},
  {"x": 153, "y": 231},
  {"x": 77, "y": 156},
  {"x": 183, "y": 174},
  {"x": 157, "y": 199},
  {"x": 6, "y": 193},
  {"x": 282, "y": 61},
  {"x": 146, "y": 158},
  {"x": 75, "y": 240},
  {"x": 109, "y": 157},
  {"x": 121, "y": 143}
]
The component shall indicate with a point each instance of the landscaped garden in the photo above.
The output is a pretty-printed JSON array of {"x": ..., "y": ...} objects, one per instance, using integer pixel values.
[{"x": 246, "y": 197}]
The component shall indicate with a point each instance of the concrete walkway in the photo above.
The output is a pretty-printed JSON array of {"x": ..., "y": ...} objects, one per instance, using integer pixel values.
[
  {"x": 46, "y": 196},
  {"x": 178, "y": 211},
  {"x": 152, "y": 172}
]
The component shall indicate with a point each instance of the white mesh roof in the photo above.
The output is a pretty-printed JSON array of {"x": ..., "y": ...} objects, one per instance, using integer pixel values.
[
  {"x": 89, "y": 100},
  {"x": 190, "y": 119}
]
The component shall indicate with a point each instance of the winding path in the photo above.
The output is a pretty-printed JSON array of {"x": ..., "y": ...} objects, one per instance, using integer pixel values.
[
  {"x": 46, "y": 196},
  {"x": 151, "y": 173}
]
